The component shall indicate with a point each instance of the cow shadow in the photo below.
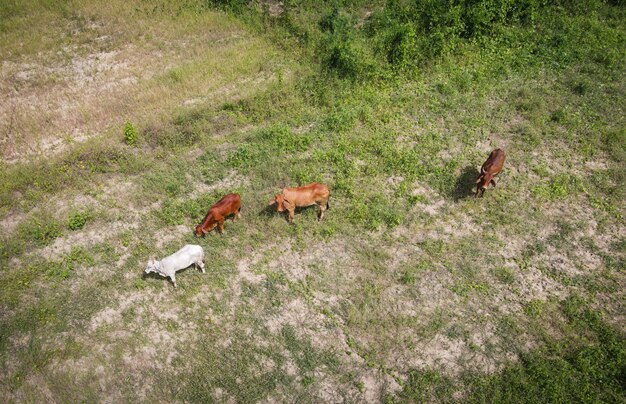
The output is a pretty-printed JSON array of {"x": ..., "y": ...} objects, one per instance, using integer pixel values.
[
  {"x": 270, "y": 211},
  {"x": 154, "y": 275},
  {"x": 464, "y": 185},
  {"x": 151, "y": 275}
]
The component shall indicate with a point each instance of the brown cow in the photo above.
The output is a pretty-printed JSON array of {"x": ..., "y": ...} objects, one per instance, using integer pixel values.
[
  {"x": 307, "y": 195},
  {"x": 489, "y": 170},
  {"x": 226, "y": 206}
]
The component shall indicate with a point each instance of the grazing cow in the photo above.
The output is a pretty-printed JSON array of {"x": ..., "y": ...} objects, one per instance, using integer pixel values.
[
  {"x": 307, "y": 195},
  {"x": 489, "y": 170},
  {"x": 228, "y": 205},
  {"x": 181, "y": 259}
]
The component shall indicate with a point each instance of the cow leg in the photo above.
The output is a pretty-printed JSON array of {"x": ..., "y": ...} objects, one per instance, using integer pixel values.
[
  {"x": 173, "y": 278},
  {"x": 291, "y": 214},
  {"x": 322, "y": 209},
  {"x": 201, "y": 265},
  {"x": 221, "y": 223}
]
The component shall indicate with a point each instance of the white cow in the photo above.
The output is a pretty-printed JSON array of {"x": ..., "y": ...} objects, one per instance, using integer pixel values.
[{"x": 181, "y": 259}]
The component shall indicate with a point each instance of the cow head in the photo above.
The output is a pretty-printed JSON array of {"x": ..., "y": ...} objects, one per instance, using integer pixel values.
[
  {"x": 202, "y": 230},
  {"x": 279, "y": 200},
  {"x": 206, "y": 226},
  {"x": 153, "y": 266},
  {"x": 483, "y": 181}
]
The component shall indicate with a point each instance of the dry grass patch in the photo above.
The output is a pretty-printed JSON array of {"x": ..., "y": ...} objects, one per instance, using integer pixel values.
[{"x": 121, "y": 67}]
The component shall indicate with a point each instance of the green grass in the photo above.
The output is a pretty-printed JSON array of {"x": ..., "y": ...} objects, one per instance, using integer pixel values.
[{"x": 520, "y": 291}]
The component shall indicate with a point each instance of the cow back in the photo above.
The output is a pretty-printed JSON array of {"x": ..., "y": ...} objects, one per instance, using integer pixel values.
[
  {"x": 306, "y": 194},
  {"x": 494, "y": 162},
  {"x": 229, "y": 204}
]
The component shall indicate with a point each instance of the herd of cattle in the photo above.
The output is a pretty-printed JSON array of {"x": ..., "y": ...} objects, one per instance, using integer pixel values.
[{"x": 290, "y": 199}]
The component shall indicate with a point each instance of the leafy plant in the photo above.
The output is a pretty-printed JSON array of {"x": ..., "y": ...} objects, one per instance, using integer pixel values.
[
  {"x": 77, "y": 220},
  {"x": 130, "y": 134}
]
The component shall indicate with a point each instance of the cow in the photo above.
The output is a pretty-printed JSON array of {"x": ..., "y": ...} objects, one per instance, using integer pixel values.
[
  {"x": 307, "y": 195},
  {"x": 489, "y": 170},
  {"x": 188, "y": 255},
  {"x": 228, "y": 205}
]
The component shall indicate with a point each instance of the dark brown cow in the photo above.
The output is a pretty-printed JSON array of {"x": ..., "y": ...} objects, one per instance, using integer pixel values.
[
  {"x": 228, "y": 205},
  {"x": 307, "y": 195},
  {"x": 489, "y": 170}
]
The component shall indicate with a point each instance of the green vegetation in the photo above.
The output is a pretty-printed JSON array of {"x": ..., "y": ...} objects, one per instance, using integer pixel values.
[
  {"x": 130, "y": 134},
  {"x": 589, "y": 369},
  {"x": 77, "y": 220},
  {"x": 409, "y": 290},
  {"x": 44, "y": 230}
]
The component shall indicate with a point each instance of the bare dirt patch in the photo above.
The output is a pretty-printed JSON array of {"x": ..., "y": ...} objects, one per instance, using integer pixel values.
[
  {"x": 231, "y": 181},
  {"x": 94, "y": 234}
]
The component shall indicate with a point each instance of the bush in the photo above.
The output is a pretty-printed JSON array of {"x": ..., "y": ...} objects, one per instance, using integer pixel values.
[
  {"x": 130, "y": 134},
  {"x": 77, "y": 220},
  {"x": 402, "y": 49},
  {"x": 343, "y": 52},
  {"x": 413, "y": 32},
  {"x": 348, "y": 59}
]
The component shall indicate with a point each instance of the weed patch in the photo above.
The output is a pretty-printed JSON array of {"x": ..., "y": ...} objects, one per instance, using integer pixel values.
[
  {"x": 77, "y": 220},
  {"x": 130, "y": 134}
]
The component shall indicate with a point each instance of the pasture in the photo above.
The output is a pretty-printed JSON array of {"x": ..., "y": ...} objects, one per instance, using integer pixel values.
[{"x": 122, "y": 122}]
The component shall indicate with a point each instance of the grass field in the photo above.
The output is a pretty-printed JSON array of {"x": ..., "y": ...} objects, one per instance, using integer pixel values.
[{"x": 122, "y": 122}]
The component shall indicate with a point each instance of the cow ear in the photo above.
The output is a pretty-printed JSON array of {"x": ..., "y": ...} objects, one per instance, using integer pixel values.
[
  {"x": 273, "y": 201},
  {"x": 478, "y": 180}
]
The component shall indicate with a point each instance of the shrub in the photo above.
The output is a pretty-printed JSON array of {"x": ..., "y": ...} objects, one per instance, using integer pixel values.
[
  {"x": 409, "y": 32},
  {"x": 130, "y": 134},
  {"x": 348, "y": 59},
  {"x": 342, "y": 51},
  {"x": 77, "y": 220},
  {"x": 402, "y": 49}
]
